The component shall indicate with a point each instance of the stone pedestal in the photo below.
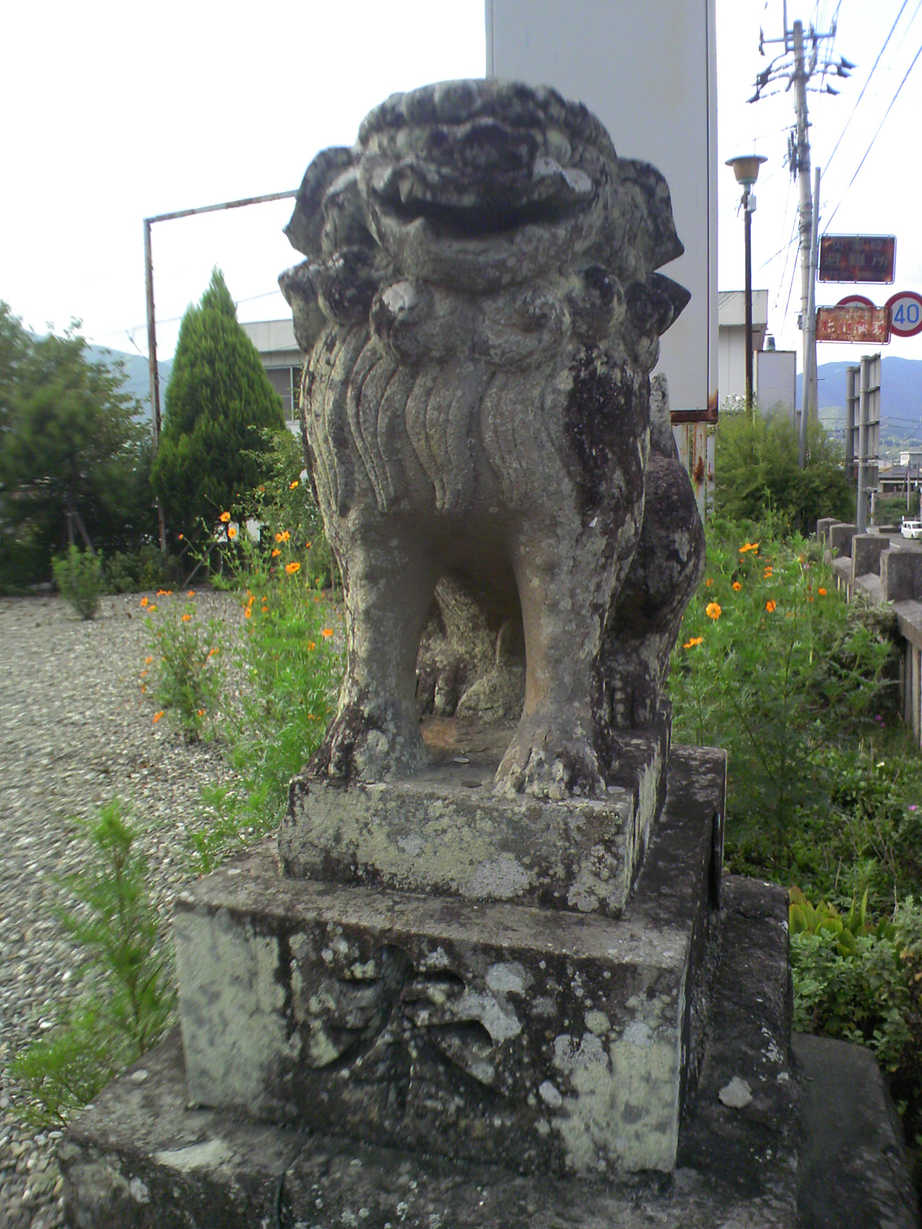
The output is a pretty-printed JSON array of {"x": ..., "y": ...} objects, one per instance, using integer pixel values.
[{"x": 542, "y": 1038}]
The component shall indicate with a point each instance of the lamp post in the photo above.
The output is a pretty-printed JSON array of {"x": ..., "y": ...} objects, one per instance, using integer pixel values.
[{"x": 746, "y": 170}]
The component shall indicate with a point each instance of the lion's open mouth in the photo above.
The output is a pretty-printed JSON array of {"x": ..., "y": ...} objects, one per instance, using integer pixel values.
[{"x": 507, "y": 201}]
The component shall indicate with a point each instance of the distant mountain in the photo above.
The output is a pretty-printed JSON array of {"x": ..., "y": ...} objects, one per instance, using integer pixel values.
[
  {"x": 900, "y": 400},
  {"x": 137, "y": 373}
]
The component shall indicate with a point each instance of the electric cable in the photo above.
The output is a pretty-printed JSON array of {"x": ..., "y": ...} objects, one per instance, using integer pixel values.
[
  {"x": 851, "y": 114},
  {"x": 877, "y": 133}
]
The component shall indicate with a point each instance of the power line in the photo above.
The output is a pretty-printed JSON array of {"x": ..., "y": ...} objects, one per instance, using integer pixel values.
[
  {"x": 877, "y": 133},
  {"x": 851, "y": 114}
]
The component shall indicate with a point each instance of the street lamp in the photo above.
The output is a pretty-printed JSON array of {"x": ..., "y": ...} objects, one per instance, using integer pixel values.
[{"x": 746, "y": 170}]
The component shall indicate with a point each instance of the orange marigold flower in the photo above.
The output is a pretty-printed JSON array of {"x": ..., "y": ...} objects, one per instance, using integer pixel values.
[
  {"x": 152, "y": 606},
  {"x": 690, "y": 644},
  {"x": 326, "y": 632},
  {"x": 148, "y": 660},
  {"x": 292, "y": 485},
  {"x": 736, "y": 586},
  {"x": 770, "y": 606},
  {"x": 311, "y": 645},
  {"x": 211, "y": 652},
  {"x": 191, "y": 593},
  {"x": 157, "y": 716},
  {"x": 200, "y": 712},
  {"x": 292, "y": 567},
  {"x": 747, "y": 546},
  {"x": 144, "y": 674},
  {"x": 275, "y": 552},
  {"x": 767, "y": 573},
  {"x": 186, "y": 618},
  {"x": 248, "y": 613},
  {"x": 145, "y": 601},
  {"x": 822, "y": 592},
  {"x": 224, "y": 517},
  {"x": 709, "y": 582},
  {"x": 179, "y": 537},
  {"x": 713, "y": 610},
  {"x": 307, "y": 545},
  {"x": 231, "y": 531},
  {"x": 264, "y": 609}
]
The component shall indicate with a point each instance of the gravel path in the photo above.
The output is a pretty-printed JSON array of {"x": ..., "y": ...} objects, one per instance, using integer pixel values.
[{"x": 75, "y": 731}]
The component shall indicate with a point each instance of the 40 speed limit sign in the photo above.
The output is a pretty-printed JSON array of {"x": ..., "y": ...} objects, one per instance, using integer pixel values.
[{"x": 905, "y": 313}]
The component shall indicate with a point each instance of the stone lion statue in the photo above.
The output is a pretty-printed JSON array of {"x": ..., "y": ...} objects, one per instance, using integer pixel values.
[{"x": 481, "y": 310}]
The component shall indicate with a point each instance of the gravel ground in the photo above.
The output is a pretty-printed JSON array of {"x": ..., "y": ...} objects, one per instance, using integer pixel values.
[{"x": 75, "y": 731}]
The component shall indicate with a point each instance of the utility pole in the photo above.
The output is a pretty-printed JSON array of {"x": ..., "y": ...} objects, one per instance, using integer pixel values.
[{"x": 797, "y": 68}]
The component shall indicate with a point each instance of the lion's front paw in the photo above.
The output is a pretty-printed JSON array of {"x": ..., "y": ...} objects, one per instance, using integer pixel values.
[
  {"x": 363, "y": 747},
  {"x": 549, "y": 765}
]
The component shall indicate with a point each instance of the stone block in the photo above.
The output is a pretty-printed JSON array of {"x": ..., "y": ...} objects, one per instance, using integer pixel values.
[
  {"x": 901, "y": 575},
  {"x": 540, "y": 1039},
  {"x": 840, "y": 537},
  {"x": 446, "y": 830},
  {"x": 867, "y": 549},
  {"x": 823, "y": 526}
]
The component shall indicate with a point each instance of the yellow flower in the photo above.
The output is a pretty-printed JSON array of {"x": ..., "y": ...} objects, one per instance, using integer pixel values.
[
  {"x": 690, "y": 644},
  {"x": 292, "y": 485},
  {"x": 157, "y": 716},
  {"x": 224, "y": 517},
  {"x": 292, "y": 567},
  {"x": 736, "y": 586},
  {"x": 186, "y": 618},
  {"x": 770, "y": 606},
  {"x": 713, "y": 610},
  {"x": 231, "y": 531},
  {"x": 326, "y": 632},
  {"x": 747, "y": 546}
]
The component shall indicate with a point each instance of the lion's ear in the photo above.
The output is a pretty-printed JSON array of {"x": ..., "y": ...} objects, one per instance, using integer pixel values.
[
  {"x": 305, "y": 229},
  {"x": 662, "y": 242}
]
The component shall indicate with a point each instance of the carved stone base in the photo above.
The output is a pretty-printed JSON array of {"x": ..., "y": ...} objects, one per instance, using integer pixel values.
[{"x": 542, "y": 1039}]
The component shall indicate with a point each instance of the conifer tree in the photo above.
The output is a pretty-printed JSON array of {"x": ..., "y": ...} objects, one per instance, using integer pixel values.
[{"x": 218, "y": 401}]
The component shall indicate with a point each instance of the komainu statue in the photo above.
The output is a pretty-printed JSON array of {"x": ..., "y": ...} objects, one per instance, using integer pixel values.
[{"x": 481, "y": 310}]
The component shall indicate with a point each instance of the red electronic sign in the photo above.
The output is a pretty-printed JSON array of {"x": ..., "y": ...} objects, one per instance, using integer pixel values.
[{"x": 857, "y": 258}]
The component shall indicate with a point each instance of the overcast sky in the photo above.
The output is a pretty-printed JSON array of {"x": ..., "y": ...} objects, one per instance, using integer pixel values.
[{"x": 117, "y": 111}]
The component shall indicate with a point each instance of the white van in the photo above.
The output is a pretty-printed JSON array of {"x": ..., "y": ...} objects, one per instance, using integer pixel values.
[{"x": 911, "y": 529}]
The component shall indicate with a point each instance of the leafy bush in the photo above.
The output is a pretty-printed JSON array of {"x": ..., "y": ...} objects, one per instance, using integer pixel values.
[
  {"x": 187, "y": 677},
  {"x": 759, "y": 472},
  {"x": 769, "y": 661},
  {"x": 130, "y": 997},
  {"x": 78, "y": 575},
  {"x": 868, "y": 990},
  {"x": 291, "y": 667},
  {"x": 134, "y": 571}
]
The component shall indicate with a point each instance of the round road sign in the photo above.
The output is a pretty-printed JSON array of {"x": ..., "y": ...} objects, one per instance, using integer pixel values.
[
  {"x": 855, "y": 300},
  {"x": 905, "y": 313}
]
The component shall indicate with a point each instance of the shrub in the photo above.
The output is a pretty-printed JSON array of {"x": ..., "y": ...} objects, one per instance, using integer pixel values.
[
  {"x": 79, "y": 577},
  {"x": 187, "y": 676},
  {"x": 129, "y": 999}
]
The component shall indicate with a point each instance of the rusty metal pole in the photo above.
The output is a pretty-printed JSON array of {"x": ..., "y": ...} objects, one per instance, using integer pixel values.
[{"x": 153, "y": 369}]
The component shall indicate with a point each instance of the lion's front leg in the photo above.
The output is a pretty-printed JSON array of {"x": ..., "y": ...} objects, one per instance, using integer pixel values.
[
  {"x": 375, "y": 734},
  {"x": 565, "y": 580}
]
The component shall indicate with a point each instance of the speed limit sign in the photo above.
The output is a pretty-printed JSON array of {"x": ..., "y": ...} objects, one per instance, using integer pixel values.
[{"x": 905, "y": 313}]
